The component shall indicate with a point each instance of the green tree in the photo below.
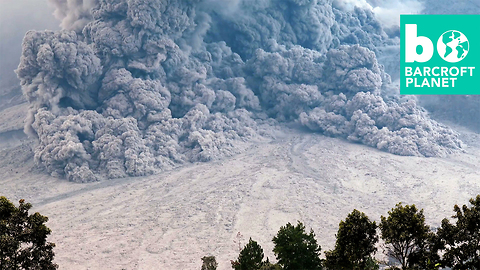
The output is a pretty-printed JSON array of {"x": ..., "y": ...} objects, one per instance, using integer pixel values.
[
  {"x": 295, "y": 249},
  {"x": 23, "y": 238},
  {"x": 461, "y": 241},
  {"x": 407, "y": 237},
  {"x": 355, "y": 245},
  {"x": 270, "y": 266},
  {"x": 209, "y": 263},
  {"x": 250, "y": 258}
]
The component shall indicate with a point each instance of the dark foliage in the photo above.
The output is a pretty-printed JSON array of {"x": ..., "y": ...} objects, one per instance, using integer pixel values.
[
  {"x": 23, "y": 238},
  {"x": 461, "y": 240},
  {"x": 209, "y": 263},
  {"x": 295, "y": 249},
  {"x": 407, "y": 237},
  {"x": 250, "y": 258},
  {"x": 355, "y": 244}
]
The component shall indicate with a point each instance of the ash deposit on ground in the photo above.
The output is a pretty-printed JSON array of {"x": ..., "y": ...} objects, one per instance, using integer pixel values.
[{"x": 134, "y": 87}]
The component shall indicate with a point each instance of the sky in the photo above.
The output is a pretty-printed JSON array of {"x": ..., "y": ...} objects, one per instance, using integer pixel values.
[{"x": 16, "y": 18}]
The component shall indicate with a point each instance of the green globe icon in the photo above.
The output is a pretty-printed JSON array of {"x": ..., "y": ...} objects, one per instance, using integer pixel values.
[{"x": 452, "y": 46}]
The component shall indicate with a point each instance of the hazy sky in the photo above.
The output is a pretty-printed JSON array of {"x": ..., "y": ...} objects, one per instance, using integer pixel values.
[{"x": 17, "y": 17}]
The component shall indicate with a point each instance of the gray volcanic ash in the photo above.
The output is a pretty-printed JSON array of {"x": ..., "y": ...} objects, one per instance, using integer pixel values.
[{"x": 130, "y": 87}]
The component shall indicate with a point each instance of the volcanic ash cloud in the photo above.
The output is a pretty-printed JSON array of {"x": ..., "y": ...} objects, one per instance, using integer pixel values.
[{"x": 129, "y": 88}]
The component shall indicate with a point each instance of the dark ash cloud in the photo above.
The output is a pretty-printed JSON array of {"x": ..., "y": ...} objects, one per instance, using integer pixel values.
[{"x": 132, "y": 87}]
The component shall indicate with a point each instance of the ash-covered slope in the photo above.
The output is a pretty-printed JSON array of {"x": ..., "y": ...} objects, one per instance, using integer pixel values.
[
  {"x": 133, "y": 87},
  {"x": 172, "y": 219}
]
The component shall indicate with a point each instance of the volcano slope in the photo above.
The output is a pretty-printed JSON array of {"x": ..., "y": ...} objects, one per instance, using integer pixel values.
[{"x": 171, "y": 220}]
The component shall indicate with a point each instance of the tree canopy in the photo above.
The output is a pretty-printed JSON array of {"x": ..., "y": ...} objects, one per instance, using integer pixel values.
[
  {"x": 23, "y": 238},
  {"x": 295, "y": 249},
  {"x": 461, "y": 241},
  {"x": 250, "y": 257},
  {"x": 209, "y": 263},
  {"x": 406, "y": 235},
  {"x": 355, "y": 245}
]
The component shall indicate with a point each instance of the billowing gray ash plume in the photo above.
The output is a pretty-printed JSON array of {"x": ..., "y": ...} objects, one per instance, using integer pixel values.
[{"x": 131, "y": 87}]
